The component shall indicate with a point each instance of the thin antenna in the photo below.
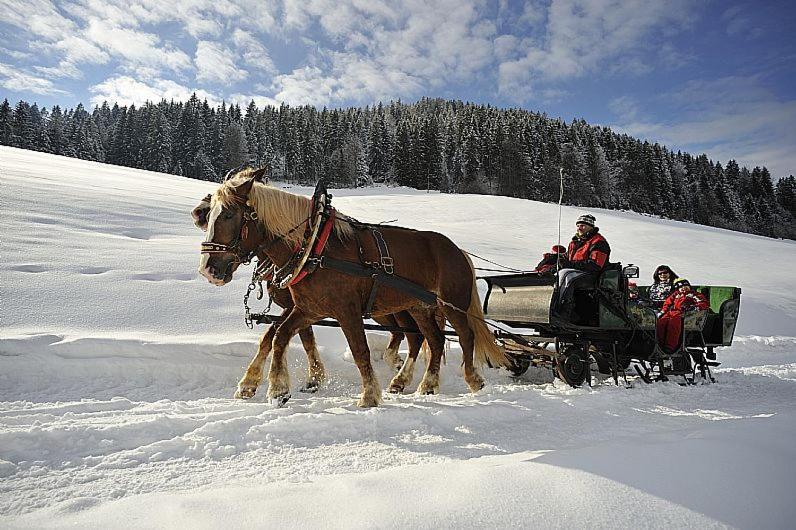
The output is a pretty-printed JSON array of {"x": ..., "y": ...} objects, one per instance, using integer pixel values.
[
  {"x": 558, "y": 254},
  {"x": 560, "y": 200}
]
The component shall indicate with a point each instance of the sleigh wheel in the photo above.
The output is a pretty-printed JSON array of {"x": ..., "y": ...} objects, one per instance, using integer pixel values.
[{"x": 572, "y": 365}]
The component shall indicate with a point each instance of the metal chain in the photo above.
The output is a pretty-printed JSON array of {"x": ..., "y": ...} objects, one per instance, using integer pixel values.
[
  {"x": 256, "y": 283},
  {"x": 247, "y": 317}
]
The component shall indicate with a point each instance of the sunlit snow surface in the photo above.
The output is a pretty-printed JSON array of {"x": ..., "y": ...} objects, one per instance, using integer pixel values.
[{"x": 118, "y": 362}]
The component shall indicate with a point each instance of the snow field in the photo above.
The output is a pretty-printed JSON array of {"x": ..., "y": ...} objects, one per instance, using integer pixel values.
[{"x": 118, "y": 363}]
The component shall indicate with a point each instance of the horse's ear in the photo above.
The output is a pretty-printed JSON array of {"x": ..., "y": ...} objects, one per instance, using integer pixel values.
[
  {"x": 242, "y": 190},
  {"x": 200, "y": 212},
  {"x": 259, "y": 174}
]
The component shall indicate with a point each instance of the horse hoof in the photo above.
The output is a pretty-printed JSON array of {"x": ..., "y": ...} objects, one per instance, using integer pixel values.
[
  {"x": 367, "y": 403},
  {"x": 310, "y": 388},
  {"x": 395, "y": 389},
  {"x": 245, "y": 393},
  {"x": 476, "y": 385},
  {"x": 280, "y": 401}
]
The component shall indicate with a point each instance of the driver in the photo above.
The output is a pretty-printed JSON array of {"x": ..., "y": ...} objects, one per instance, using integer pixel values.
[{"x": 587, "y": 255}]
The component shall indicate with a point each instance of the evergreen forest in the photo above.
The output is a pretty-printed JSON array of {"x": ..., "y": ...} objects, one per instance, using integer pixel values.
[{"x": 451, "y": 146}]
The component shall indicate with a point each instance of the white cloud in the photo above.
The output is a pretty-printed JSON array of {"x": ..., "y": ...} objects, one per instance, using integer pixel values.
[
  {"x": 76, "y": 53},
  {"x": 506, "y": 46},
  {"x": 626, "y": 108},
  {"x": 137, "y": 47},
  {"x": 387, "y": 50},
  {"x": 533, "y": 13},
  {"x": 304, "y": 86},
  {"x": 15, "y": 54},
  {"x": 583, "y": 36},
  {"x": 113, "y": 13},
  {"x": 740, "y": 24},
  {"x": 215, "y": 64},
  {"x": 252, "y": 52},
  {"x": 13, "y": 79},
  {"x": 39, "y": 17},
  {"x": 128, "y": 91},
  {"x": 369, "y": 81},
  {"x": 729, "y": 118},
  {"x": 261, "y": 101},
  {"x": 64, "y": 69},
  {"x": 199, "y": 18},
  {"x": 259, "y": 15},
  {"x": 76, "y": 49}
]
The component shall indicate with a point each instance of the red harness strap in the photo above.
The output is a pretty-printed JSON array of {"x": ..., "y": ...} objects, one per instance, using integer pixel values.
[{"x": 320, "y": 245}]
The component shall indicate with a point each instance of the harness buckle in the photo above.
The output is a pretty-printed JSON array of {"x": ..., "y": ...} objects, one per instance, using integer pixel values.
[{"x": 387, "y": 264}]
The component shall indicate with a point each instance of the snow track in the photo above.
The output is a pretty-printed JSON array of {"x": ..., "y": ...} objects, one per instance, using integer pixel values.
[{"x": 147, "y": 430}]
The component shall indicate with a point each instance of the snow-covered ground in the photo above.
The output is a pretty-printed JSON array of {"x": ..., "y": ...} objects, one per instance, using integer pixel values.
[{"x": 118, "y": 363}]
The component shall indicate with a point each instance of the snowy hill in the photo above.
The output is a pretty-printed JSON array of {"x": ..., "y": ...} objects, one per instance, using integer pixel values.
[{"x": 117, "y": 364}]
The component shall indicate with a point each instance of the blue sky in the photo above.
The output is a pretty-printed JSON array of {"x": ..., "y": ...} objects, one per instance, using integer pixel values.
[{"x": 704, "y": 76}]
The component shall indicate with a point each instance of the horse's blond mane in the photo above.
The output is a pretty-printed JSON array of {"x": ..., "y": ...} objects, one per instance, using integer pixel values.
[{"x": 280, "y": 211}]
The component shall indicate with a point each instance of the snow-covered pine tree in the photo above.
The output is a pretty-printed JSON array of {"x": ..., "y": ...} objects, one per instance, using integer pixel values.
[
  {"x": 6, "y": 124},
  {"x": 22, "y": 126}
]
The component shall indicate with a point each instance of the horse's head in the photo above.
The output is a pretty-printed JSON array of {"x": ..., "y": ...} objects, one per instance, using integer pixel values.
[{"x": 231, "y": 227}]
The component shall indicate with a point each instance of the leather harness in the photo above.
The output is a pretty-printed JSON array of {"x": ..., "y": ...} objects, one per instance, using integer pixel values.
[{"x": 307, "y": 257}]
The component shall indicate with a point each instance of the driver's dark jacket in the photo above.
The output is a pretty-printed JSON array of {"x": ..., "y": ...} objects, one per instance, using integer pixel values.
[{"x": 589, "y": 253}]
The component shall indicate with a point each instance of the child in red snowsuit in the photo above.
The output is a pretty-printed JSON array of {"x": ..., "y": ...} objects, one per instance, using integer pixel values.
[{"x": 670, "y": 323}]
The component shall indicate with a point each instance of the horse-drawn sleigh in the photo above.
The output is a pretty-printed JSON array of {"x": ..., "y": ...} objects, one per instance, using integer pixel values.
[
  {"x": 615, "y": 329},
  {"x": 321, "y": 265}
]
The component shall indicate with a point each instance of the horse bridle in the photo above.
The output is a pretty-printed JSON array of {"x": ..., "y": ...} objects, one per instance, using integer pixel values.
[{"x": 234, "y": 247}]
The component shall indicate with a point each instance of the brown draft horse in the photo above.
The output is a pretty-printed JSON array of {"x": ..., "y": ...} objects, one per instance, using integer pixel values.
[
  {"x": 316, "y": 372},
  {"x": 428, "y": 259}
]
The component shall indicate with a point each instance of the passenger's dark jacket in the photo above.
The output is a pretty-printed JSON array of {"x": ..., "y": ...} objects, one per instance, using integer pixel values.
[
  {"x": 658, "y": 292},
  {"x": 660, "y": 289}
]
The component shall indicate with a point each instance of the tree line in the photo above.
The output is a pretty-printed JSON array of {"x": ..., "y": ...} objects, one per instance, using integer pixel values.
[{"x": 451, "y": 146}]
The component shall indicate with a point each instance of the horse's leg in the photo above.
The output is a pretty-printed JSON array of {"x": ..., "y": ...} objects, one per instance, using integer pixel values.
[
  {"x": 278, "y": 375},
  {"x": 460, "y": 323},
  {"x": 351, "y": 323},
  {"x": 248, "y": 384},
  {"x": 436, "y": 341},
  {"x": 404, "y": 376},
  {"x": 316, "y": 373},
  {"x": 391, "y": 356}
]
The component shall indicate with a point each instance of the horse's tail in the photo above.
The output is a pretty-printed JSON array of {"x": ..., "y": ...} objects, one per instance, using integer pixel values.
[{"x": 486, "y": 350}]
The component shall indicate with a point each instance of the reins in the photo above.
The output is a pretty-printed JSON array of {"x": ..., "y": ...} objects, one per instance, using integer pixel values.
[{"x": 504, "y": 267}]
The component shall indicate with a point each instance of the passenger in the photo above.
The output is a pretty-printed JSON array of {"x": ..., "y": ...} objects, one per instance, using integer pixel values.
[
  {"x": 661, "y": 288},
  {"x": 632, "y": 291},
  {"x": 587, "y": 256},
  {"x": 551, "y": 260},
  {"x": 670, "y": 322}
]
